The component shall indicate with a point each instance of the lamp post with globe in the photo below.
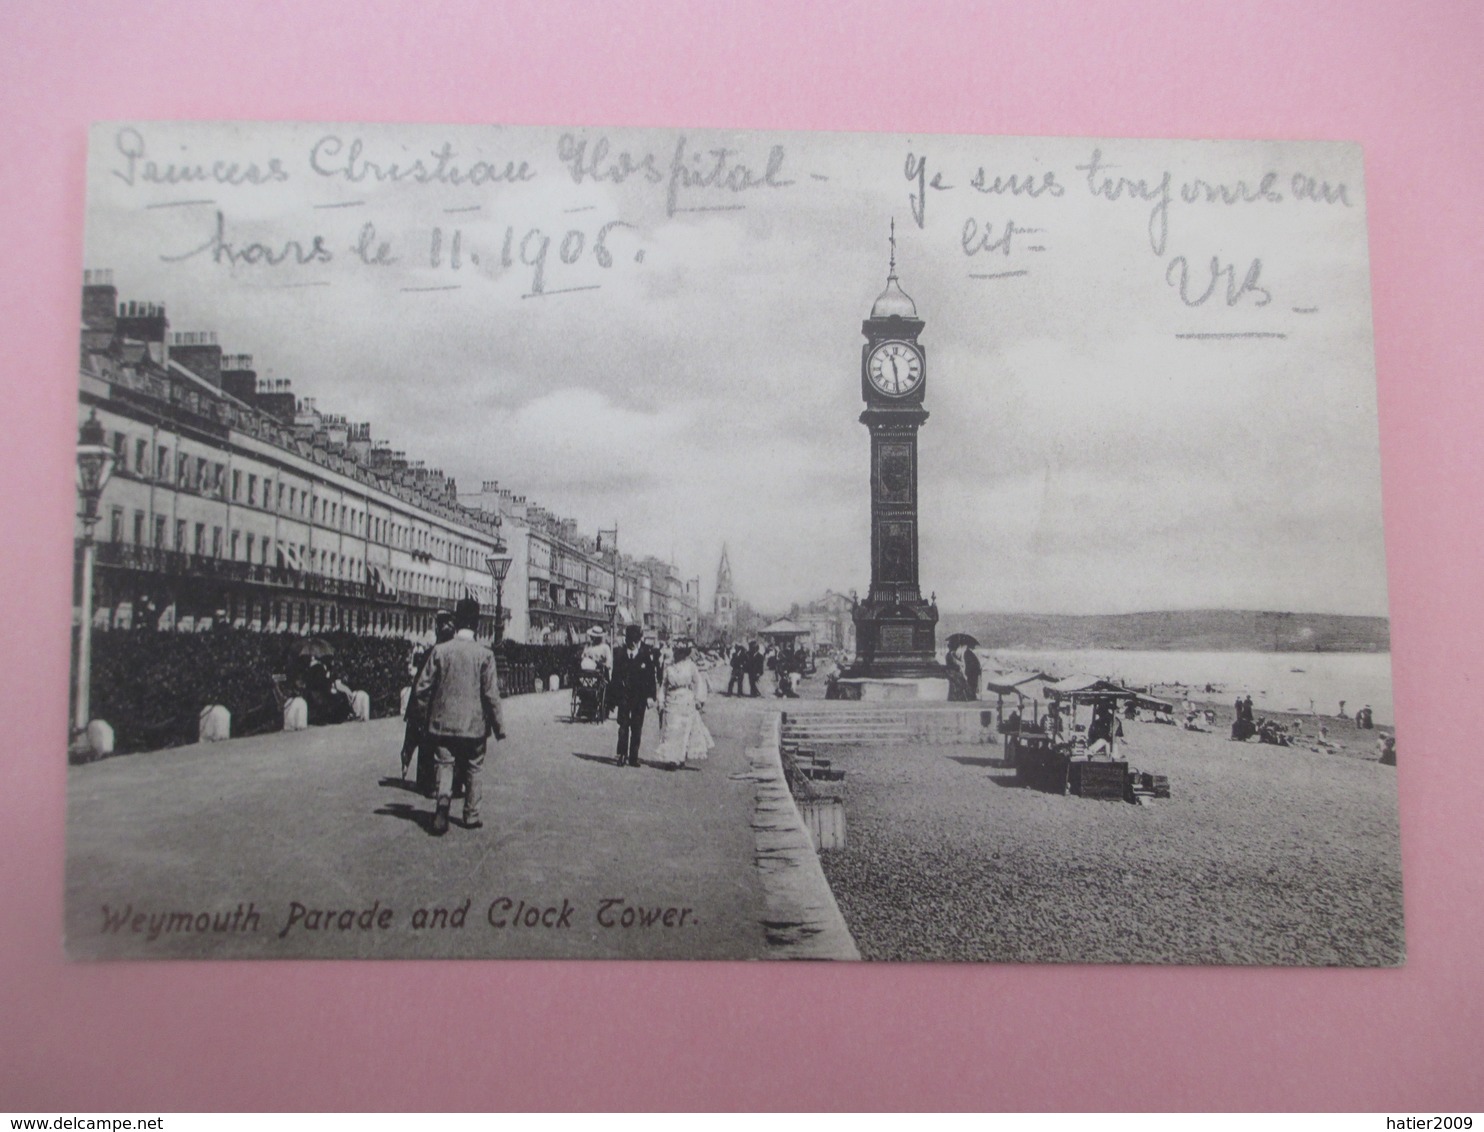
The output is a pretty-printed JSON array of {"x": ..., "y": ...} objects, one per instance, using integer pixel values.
[
  {"x": 94, "y": 468},
  {"x": 499, "y": 567}
]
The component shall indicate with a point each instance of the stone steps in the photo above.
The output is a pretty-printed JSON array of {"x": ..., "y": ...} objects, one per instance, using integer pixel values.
[
  {"x": 887, "y": 726},
  {"x": 868, "y": 738}
]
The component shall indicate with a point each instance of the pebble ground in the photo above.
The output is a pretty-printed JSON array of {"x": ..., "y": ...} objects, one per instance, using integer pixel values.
[{"x": 1264, "y": 855}]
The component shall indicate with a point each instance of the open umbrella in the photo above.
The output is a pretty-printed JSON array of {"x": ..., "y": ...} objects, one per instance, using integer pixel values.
[
  {"x": 312, "y": 647},
  {"x": 963, "y": 639}
]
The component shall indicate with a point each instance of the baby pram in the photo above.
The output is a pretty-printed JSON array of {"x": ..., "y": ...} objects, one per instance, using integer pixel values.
[{"x": 589, "y": 693}]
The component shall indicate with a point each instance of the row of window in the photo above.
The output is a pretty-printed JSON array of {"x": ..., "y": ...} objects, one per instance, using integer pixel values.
[{"x": 206, "y": 477}]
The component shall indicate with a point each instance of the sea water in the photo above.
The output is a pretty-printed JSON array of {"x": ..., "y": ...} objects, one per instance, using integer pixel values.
[{"x": 1276, "y": 681}]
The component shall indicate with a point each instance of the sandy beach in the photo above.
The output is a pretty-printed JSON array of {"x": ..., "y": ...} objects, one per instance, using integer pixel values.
[{"x": 1262, "y": 855}]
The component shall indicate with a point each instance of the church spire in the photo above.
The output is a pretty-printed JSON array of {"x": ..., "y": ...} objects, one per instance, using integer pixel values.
[{"x": 724, "y": 604}]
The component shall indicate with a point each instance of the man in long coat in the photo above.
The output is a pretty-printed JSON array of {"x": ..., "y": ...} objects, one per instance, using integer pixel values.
[
  {"x": 757, "y": 664},
  {"x": 458, "y": 694},
  {"x": 632, "y": 691},
  {"x": 739, "y": 670}
]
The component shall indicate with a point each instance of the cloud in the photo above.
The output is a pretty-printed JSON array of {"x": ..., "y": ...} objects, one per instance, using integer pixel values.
[{"x": 703, "y": 387}]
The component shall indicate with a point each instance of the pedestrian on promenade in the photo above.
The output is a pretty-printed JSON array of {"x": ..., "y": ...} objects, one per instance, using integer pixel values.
[
  {"x": 634, "y": 689},
  {"x": 739, "y": 670},
  {"x": 757, "y": 664},
  {"x": 458, "y": 694},
  {"x": 958, "y": 687},
  {"x": 775, "y": 661},
  {"x": 684, "y": 736},
  {"x": 415, "y": 738},
  {"x": 597, "y": 658}
]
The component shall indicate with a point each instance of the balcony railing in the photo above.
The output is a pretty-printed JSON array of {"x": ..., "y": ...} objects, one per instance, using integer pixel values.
[
  {"x": 156, "y": 560},
  {"x": 537, "y": 605}
]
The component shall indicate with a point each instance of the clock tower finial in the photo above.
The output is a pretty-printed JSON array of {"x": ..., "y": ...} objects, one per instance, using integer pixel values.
[{"x": 893, "y": 301}]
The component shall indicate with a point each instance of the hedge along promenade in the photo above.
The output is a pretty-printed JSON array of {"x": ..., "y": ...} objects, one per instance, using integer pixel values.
[{"x": 150, "y": 686}]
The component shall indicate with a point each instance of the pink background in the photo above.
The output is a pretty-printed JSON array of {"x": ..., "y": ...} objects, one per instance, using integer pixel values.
[{"x": 1402, "y": 78}]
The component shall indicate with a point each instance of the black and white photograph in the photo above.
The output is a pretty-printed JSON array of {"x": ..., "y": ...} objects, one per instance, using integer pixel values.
[{"x": 537, "y": 542}]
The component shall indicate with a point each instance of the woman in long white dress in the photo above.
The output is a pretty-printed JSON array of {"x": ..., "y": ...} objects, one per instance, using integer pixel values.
[{"x": 684, "y": 736}]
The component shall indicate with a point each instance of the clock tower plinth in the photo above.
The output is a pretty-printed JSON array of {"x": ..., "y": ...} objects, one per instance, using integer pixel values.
[{"x": 895, "y": 628}]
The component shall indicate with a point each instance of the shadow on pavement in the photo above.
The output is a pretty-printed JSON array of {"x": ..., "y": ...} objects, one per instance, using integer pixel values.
[
  {"x": 422, "y": 818},
  {"x": 399, "y": 784},
  {"x": 606, "y": 760}
]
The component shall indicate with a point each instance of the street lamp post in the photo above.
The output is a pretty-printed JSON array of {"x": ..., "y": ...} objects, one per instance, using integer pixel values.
[
  {"x": 499, "y": 566},
  {"x": 611, "y": 605},
  {"x": 94, "y": 467}
]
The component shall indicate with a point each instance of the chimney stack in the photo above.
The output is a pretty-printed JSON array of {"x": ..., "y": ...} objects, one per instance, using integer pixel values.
[
  {"x": 100, "y": 300},
  {"x": 239, "y": 378},
  {"x": 145, "y": 322},
  {"x": 197, "y": 351}
]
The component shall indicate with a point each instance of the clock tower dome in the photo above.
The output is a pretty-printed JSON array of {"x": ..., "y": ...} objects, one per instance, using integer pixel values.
[{"x": 895, "y": 628}]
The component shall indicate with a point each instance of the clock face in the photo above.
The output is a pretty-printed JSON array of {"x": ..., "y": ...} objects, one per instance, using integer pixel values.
[{"x": 895, "y": 368}]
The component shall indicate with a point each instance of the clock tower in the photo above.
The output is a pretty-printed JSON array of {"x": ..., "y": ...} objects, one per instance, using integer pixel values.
[{"x": 895, "y": 629}]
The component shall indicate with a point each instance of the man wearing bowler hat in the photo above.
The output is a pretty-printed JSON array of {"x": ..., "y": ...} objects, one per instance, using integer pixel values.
[
  {"x": 459, "y": 697},
  {"x": 635, "y": 684}
]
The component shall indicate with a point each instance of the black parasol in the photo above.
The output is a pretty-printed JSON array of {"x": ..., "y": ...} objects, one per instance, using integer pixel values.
[{"x": 312, "y": 647}]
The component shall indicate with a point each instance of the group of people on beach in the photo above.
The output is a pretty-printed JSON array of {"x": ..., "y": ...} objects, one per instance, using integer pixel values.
[{"x": 1272, "y": 731}]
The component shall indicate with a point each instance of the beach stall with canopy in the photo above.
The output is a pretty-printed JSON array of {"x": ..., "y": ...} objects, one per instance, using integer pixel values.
[
  {"x": 1103, "y": 696},
  {"x": 1021, "y": 684},
  {"x": 1162, "y": 710}
]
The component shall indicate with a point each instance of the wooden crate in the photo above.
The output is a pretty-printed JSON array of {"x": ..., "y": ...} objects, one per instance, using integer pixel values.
[{"x": 1099, "y": 779}]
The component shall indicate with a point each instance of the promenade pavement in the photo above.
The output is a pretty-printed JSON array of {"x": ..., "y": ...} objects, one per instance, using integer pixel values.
[{"x": 309, "y": 844}]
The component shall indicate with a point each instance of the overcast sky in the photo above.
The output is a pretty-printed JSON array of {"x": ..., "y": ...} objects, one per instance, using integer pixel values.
[{"x": 1099, "y": 440}]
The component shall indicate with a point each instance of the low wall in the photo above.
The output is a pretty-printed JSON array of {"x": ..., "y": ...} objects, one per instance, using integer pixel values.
[{"x": 802, "y": 919}]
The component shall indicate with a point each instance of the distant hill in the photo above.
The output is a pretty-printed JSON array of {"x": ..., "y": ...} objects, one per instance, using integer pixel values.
[{"x": 1194, "y": 630}]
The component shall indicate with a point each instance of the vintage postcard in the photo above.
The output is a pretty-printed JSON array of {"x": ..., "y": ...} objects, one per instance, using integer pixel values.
[{"x": 693, "y": 544}]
